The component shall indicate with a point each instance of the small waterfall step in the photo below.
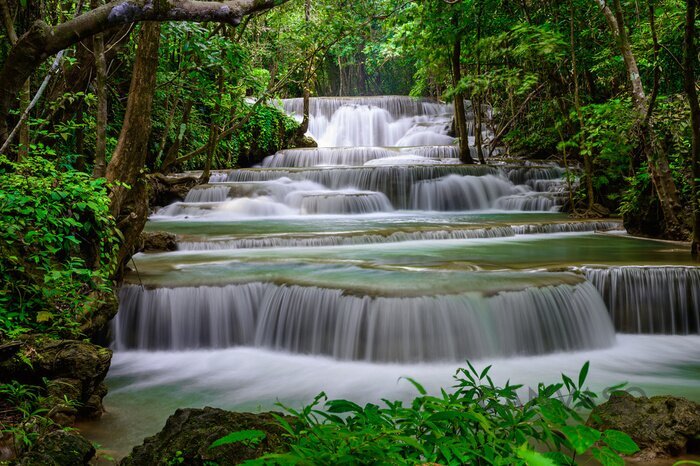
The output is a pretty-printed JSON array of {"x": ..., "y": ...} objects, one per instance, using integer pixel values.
[
  {"x": 662, "y": 300},
  {"x": 319, "y": 321},
  {"x": 204, "y": 243}
]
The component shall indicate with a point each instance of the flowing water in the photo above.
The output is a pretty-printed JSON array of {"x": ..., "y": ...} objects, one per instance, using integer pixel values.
[{"x": 377, "y": 256}]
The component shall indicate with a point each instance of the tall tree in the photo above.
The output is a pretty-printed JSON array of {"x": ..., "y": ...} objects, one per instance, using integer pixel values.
[
  {"x": 690, "y": 62},
  {"x": 128, "y": 196},
  {"x": 657, "y": 160}
]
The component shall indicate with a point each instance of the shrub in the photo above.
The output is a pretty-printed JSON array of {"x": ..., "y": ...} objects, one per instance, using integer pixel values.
[{"x": 56, "y": 246}]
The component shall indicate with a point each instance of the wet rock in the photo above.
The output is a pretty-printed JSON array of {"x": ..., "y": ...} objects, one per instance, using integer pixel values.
[
  {"x": 660, "y": 425},
  {"x": 305, "y": 142},
  {"x": 158, "y": 241},
  {"x": 59, "y": 448},
  {"x": 188, "y": 434},
  {"x": 67, "y": 369},
  {"x": 164, "y": 190}
]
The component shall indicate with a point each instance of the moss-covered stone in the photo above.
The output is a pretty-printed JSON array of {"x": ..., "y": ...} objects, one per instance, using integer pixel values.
[
  {"x": 59, "y": 448},
  {"x": 68, "y": 369},
  {"x": 660, "y": 425},
  {"x": 158, "y": 241},
  {"x": 188, "y": 434}
]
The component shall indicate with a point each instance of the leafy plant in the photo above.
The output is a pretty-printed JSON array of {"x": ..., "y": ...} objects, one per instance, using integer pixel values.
[
  {"x": 57, "y": 243},
  {"x": 476, "y": 423}
]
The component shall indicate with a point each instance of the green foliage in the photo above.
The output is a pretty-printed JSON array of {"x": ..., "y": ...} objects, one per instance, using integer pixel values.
[
  {"x": 23, "y": 418},
  {"x": 247, "y": 437},
  {"x": 476, "y": 423},
  {"x": 56, "y": 246}
]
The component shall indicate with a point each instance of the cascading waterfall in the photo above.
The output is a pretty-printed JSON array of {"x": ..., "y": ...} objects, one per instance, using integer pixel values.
[
  {"x": 650, "y": 299},
  {"x": 455, "y": 193},
  {"x": 344, "y": 239},
  {"x": 311, "y": 320}
]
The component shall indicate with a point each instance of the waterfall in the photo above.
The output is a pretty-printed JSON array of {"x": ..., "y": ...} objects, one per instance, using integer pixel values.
[
  {"x": 395, "y": 182},
  {"x": 311, "y": 320},
  {"x": 345, "y": 239},
  {"x": 339, "y": 202},
  {"x": 208, "y": 193},
  {"x": 375, "y": 121},
  {"x": 650, "y": 299}
]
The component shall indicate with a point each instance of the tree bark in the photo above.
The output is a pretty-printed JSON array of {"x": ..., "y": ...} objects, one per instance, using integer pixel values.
[
  {"x": 659, "y": 168},
  {"x": 25, "y": 92},
  {"x": 100, "y": 168},
  {"x": 129, "y": 204},
  {"x": 460, "y": 114},
  {"x": 689, "y": 65},
  {"x": 42, "y": 40},
  {"x": 587, "y": 162},
  {"x": 476, "y": 106}
]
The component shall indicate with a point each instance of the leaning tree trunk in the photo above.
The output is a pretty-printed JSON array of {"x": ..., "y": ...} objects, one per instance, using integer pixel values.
[
  {"x": 129, "y": 204},
  {"x": 689, "y": 65},
  {"x": 659, "y": 167}
]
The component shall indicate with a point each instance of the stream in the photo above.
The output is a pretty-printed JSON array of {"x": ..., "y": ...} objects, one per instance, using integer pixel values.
[{"x": 378, "y": 256}]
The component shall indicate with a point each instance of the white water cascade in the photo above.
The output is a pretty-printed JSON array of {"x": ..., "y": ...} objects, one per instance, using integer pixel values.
[
  {"x": 650, "y": 299},
  {"x": 320, "y": 321}
]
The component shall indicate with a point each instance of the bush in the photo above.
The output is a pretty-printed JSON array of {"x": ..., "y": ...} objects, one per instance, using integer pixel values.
[
  {"x": 478, "y": 423},
  {"x": 56, "y": 246}
]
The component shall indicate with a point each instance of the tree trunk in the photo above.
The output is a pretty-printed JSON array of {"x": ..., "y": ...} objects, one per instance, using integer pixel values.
[
  {"x": 25, "y": 92},
  {"x": 214, "y": 131},
  {"x": 476, "y": 105},
  {"x": 689, "y": 65},
  {"x": 99, "y": 169},
  {"x": 42, "y": 40},
  {"x": 460, "y": 114},
  {"x": 586, "y": 151},
  {"x": 129, "y": 204},
  {"x": 659, "y": 168},
  {"x": 174, "y": 150}
]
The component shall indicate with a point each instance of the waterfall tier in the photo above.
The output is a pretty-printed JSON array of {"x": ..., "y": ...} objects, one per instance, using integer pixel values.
[
  {"x": 388, "y": 236},
  {"x": 320, "y": 321},
  {"x": 650, "y": 299}
]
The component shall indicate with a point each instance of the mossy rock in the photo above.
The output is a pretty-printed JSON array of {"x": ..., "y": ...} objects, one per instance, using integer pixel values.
[
  {"x": 69, "y": 369},
  {"x": 660, "y": 425},
  {"x": 59, "y": 448},
  {"x": 189, "y": 433}
]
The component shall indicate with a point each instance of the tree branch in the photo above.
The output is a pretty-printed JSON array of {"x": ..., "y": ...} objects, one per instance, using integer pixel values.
[{"x": 43, "y": 40}]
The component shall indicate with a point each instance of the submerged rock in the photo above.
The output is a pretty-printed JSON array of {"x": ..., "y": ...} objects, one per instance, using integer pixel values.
[
  {"x": 158, "y": 241},
  {"x": 189, "y": 433},
  {"x": 67, "y": 369},
  {"x": 660, "y": 425}
]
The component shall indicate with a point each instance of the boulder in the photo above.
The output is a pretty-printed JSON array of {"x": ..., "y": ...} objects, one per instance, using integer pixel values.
[
  {"x": 157, "y": 241},
  {"x": 59, "y": 448},
  {"x": 164, "y": 190},
  {"x": 68, "y": 369},
  {"x": 660, "y": 425},
  {"x": 189, "y": 433}
]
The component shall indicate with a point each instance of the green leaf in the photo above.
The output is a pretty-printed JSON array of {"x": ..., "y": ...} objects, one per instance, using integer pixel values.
[
  {"x": 581, "y": 437},
  {"x": 532, "y": 458},
  {"x": 254, "y": 436},
  {"x": 620, "y": 442},
  {"x": 583, "y": 374},
  {"x": 607, "y": 457}
]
